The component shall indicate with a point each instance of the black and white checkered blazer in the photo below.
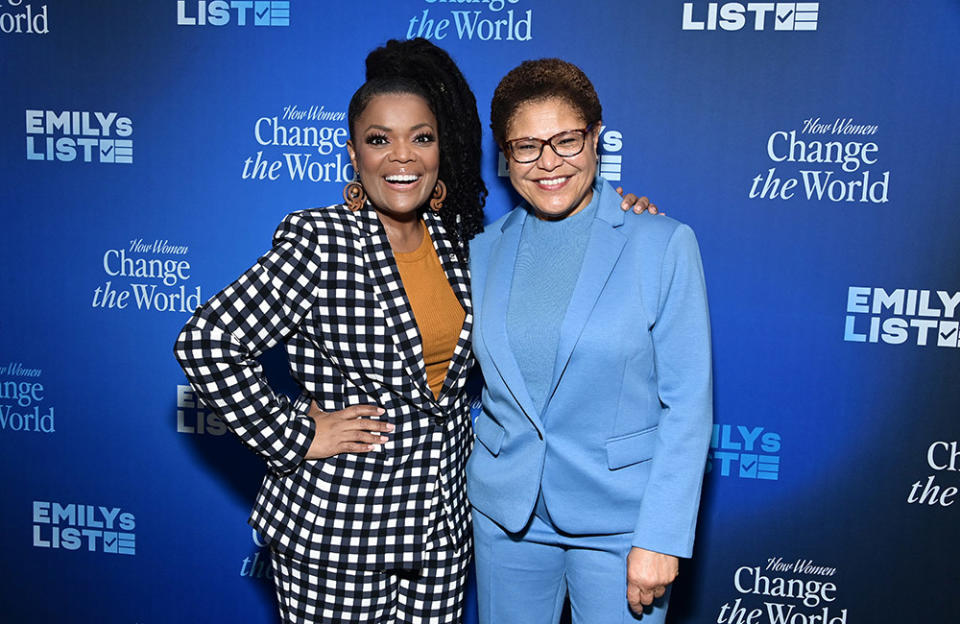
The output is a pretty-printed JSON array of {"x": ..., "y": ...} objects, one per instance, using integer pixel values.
[{"x": 330, "y": 289}]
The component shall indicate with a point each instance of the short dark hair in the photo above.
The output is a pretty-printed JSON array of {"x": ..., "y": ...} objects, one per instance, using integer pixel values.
[
  {"x": 418, "y": 67},
  {"x": 543, "y": 79}
]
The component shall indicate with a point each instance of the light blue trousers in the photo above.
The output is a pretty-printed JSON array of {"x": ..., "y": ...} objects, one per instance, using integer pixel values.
[{"x": 523, "y": 578}]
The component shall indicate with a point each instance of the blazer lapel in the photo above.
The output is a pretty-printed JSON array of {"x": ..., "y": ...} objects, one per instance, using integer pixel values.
[
  {"x": 603, "y": 250},
  {"x": 458, "y": 275},
  {"x": 388, "y": 287},
  {"x": 496, "y": 296}
]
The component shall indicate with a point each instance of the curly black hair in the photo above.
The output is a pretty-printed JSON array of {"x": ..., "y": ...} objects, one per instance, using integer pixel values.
[{"x": 419, "y": 67}]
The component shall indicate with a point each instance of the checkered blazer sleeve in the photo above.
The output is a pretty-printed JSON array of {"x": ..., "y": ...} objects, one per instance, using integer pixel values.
[{"x": 218, "y": 346}]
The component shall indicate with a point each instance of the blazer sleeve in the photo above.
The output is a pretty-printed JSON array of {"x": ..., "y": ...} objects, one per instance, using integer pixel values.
[
  {"x": 218, "y": 346},
  {"x": 681, "y": 341}
]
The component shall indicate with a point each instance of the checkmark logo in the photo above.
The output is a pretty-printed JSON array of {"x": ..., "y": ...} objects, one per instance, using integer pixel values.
[
  {"x": 748, "y": 466},
  {"x": 783, "y": 18},
  {"x": 110, "y": 541},
  {"x": 948, "y": 333},
  {"x": 106, "y": 152},
  {"x": 261, "y": 13}
]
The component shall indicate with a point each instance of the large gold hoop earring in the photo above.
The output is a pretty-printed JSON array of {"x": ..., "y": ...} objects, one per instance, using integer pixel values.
[
  {"x": 439, "y": 194},
  {"x": 354, "y": 196}
]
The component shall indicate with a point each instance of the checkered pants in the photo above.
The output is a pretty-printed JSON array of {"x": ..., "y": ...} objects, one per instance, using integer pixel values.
[{"x": 308, "y": 593}]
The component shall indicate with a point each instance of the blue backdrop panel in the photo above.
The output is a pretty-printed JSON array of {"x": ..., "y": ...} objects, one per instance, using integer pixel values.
[{"x": 150, "y": 148}]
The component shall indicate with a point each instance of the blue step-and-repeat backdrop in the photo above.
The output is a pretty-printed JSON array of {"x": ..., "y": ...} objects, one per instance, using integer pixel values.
[{"x": 149, "y": 149}]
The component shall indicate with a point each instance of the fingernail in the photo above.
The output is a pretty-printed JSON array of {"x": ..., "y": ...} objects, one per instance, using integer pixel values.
[
  {"x": 381, "y": 411},
  {"x": 390, "y": 427}
]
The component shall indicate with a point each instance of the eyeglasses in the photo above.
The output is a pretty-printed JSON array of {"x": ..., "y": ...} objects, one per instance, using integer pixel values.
[{"x": 564, "y": 144}]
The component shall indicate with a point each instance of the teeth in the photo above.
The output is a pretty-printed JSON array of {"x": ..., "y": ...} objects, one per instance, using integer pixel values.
[
  {"x": 553, "y": 181},
  {"x": 401, "y": 178}
]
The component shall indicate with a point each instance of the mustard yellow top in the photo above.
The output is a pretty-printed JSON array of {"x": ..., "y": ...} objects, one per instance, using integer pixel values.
[{"x": 436, "y": 308}]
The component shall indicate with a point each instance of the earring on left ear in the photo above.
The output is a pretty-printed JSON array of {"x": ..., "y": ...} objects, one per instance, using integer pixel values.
[
  {"x": 439, "y": 194},
  {"x": 354, "y": 195}
]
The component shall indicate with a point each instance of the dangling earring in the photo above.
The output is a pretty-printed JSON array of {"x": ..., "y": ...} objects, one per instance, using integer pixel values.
[
  {"x": 354, "y": 195},
  {"x": 439, "y": 194}
]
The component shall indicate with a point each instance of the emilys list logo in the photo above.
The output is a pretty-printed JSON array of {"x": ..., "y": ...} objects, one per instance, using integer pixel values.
[
  {"x": 93, "y": 528},
  {"x": 788, "y": 16},
  {"x": 84, "y": 136},
  {"x": 903, "y": 316},
  {"x": 744, "y": 452},
  {"x": 239, "y": 12}
]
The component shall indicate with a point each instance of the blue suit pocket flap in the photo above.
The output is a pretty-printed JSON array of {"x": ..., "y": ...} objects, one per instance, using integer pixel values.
[
  {"x": 489, "y": 433},
  {"x": 632, "y": 448}
]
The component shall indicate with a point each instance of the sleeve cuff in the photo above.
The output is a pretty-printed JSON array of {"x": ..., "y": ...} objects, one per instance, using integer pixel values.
[{"x": 297, "y": 439}]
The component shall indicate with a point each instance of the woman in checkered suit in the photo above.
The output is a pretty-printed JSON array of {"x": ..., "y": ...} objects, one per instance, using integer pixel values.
[{"x": 363, "y": 503}]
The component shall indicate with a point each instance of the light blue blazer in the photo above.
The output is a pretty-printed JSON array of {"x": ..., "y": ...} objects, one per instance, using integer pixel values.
[{"x": 621, "y": 443}]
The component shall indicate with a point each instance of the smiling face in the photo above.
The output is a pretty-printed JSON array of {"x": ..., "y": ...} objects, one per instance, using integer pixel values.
[
  {"x": 396, "y": 154},
  {"x": 555, "y": 186}
]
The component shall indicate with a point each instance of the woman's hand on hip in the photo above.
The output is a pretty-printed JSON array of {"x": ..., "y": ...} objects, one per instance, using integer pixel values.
[
  {"x": 648, "y": 574},
  {"x": 349, "y": 430}
]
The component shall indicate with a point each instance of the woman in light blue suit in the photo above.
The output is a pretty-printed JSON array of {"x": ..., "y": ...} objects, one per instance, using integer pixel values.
[{"x": 593, "y": 334}]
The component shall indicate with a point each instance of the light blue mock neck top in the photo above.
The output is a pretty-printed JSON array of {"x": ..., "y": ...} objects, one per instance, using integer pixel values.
[{"x": 548, "y": 264}]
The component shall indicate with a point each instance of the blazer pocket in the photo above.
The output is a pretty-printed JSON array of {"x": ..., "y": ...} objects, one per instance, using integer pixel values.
[
  {"x": 490, "y": 433},
  {"x": 632, "y": 448}
]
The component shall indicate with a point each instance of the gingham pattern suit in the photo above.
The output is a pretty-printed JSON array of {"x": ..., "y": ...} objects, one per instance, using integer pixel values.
[{"x": 330, "y": 289}]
